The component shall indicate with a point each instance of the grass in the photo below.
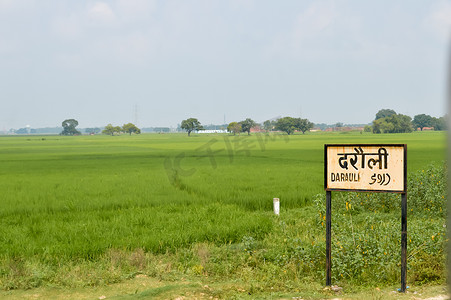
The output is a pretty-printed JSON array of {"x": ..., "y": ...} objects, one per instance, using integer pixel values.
[
  {"x": 95, "y": 210},
  {"x": 143, "y": 287}
]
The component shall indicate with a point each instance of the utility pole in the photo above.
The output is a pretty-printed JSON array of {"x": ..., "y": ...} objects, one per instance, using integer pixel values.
[{"x": 136, "y": 114}]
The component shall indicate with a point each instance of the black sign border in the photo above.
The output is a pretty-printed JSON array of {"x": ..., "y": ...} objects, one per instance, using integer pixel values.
[{"x": 404, "y": 146}]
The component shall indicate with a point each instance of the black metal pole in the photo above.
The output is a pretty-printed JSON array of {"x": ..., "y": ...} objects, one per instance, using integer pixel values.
[
  {"x": 328, "y": 238},
  {"x": 403, "y": 241}
]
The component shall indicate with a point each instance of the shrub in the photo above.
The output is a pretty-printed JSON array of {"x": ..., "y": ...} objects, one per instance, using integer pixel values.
[{"x": 366, "y": 231}]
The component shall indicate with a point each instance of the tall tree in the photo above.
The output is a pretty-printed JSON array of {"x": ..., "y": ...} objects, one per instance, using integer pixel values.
[
  {"x": 247, "y": 124},
  {"x": 381, "y": 126},
  {"x": 69, "y": 127},
  {"x": 191, "y": 124},
  {"x": 111, "y": 130},
  {"x": 401, "y": 123},
  {"x": 421, "y": 121},
  {"x": 290, "y": 125},
  {"x": 439, "y": 123},
  {"x": 268, "y": 125},
  {"x": 397, "y": 123},
  {"x": 303, "y": 125},
  {"x": 383, "y": 113},
  {"x": 131, "y": 128},
  {"x": 234, "y": 127},
  {"x": 287, "y": 124}
]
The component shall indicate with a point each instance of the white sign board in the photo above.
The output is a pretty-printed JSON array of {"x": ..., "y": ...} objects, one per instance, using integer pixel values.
[{"x": 365, "y": 167}]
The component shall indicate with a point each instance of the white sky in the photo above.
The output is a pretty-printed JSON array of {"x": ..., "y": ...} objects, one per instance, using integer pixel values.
[{"x": 328, "y": 61}]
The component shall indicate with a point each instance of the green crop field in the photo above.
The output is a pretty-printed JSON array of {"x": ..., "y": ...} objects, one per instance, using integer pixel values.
[{"x": 72, "y": 207}]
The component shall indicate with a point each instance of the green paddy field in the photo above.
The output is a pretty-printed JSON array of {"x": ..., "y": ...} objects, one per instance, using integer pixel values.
[{"x": 96, "y": 210}]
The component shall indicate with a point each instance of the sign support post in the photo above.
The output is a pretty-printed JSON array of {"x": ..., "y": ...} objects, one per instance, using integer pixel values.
[
  {"x": 403, "y": 241},
  {"x": 328, "y": 238}
]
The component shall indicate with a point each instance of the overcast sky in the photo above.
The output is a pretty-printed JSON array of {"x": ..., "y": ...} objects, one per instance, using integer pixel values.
[{"x": 159, "y": 62}]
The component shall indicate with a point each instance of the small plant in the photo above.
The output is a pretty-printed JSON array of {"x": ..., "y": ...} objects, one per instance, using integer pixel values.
[
  {"x": 249, "y": 244},
  {"x": 428, "y": 191}
]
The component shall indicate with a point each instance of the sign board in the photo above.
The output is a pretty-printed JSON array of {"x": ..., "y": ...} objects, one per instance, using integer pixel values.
[{"x": 365, "y": 167}]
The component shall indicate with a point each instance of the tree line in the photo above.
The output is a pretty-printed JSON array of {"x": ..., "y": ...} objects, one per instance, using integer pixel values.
[
  {"x": 285, "y": 124},
  {"x": 388, "y": 121},
  {"x": 126, "y": 128},
  {"x": 70, "y": 124}
]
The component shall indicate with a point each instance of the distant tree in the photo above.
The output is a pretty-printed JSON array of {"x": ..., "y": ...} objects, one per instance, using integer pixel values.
[
  {"x": 131, "y": 128},
  {"x": 69, "y": 127},
  {"x": 322, "y": 126},
  {"x": 190, "y": 125},
  {"x": 397, "y": 123},
  {"x": 290, "y": 125},
  {"x": 92, "y": 130},
  {"x": 339, "y": 124},
  {"x": 22, "y": 131},
  {"x": 439, "y": 123},
  {"x": 234, "y": 127},
  {"x": 111, "y": 130},
  {"x": 380, "y": 126},
  {"x": 367, "y": 128},
  {"x": 421, "y": 121},
  {"x": 268, "y": 125},
  {"x": 286, "y": 124},
  {"x": 247, "y": 124},
  {"x": 303, "y": 125},
  {"x": 401, "y": 123},
  {"x": 383, "y": 113}
]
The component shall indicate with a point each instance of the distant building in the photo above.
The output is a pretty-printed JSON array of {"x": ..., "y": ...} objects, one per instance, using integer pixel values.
[
  {"x": 155, "y": 130},
  {"x": 426, "y": 128},
  {"x": 257, "y": 128},
  {"x": 213, "y": 131},
  {"x": 344, "y": 128}
]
